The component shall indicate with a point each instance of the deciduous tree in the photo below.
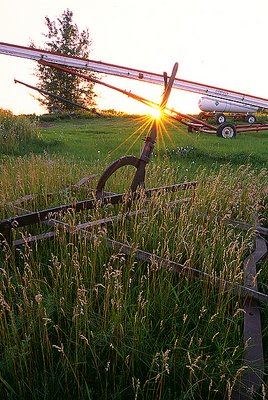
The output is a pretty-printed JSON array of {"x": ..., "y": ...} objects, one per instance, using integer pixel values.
[{"x": 63, "y": 36}]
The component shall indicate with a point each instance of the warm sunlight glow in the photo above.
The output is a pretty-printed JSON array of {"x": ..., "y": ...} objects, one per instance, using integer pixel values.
[
  {"x": 145, "y": 124},
  {"x": 155, "y": 112},
  {"x": 137, "y": 49}
]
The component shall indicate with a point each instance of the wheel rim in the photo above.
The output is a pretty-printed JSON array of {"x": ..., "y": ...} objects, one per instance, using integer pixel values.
[
  {"x": 221, "y": 119},
  {"x": 251, "y": 120},
  {"x": 228, "y": 132}
]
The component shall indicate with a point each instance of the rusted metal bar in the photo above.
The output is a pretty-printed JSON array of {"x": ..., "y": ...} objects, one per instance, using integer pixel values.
[
  {"x": 142, "y": 255},
  {"x": 150, "y": 140},
  {"x": 245, "y": 226},
  {"x": 252, "y": 128},
  {"x": 193, "y": 123},
  {"x": 103, "y": 221},
  {"x": 92, "y": 79},
  {"x": 29, "y": 240},
  {"x": 252, "y": 378},
  {"x": 75, "y": 186},
  {"x": 235, "y": 223},
  {"x": 183, "y": 118},
  {"x": 253, "y": 358},
  {"x": 60, "y": 98},
  {"x": 6, "y": 232},
  {"x": 30, "y": 197},
  {"x": 36, "y": 217},
  {"x": 112, "y": 168},
  {"x": 172, "y": 266}
]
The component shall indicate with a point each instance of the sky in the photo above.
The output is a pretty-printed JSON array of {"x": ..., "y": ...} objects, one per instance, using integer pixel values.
[{"x": 221, "y": 43}]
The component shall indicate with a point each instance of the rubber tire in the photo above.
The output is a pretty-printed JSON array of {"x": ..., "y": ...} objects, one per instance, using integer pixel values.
[
  {"x": 220, "y": 118},
  {"x": 226, "y": 131},
  {"x": 251, "y": 119}
]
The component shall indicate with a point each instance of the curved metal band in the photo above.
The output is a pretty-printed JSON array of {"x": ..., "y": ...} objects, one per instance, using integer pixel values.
[
  {"x": 121, "y": 162},
  {"x": 139, "y": 163}
]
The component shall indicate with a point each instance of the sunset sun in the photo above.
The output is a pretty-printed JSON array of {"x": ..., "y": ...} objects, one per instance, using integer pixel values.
[{"x": 156, "y": 113}]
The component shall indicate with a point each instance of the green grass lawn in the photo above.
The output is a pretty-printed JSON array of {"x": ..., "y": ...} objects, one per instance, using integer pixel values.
[
  {"x": 97, "y": 139},
  {"x": 79, "y": 320},
  {"x": 102, "y": 139}
]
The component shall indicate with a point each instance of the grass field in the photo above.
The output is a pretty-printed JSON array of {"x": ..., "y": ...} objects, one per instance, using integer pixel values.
[
  {"x": 82, "y": 320},
  {"x": 101, "y": 139}
]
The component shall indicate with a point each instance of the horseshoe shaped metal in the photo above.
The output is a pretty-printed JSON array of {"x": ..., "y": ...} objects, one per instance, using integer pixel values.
[{"x": 141, "y": 162}]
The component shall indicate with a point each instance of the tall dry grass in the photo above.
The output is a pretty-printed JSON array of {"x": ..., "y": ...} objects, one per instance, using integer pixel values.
[{"x": 80, "y": 320}]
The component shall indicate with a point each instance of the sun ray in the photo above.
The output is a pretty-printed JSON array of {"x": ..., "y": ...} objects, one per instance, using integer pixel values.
[
  {"x": 163, "y": 127},
  {"x": 138, "y": 136},
  {"x": 162, "y": 119},
  {"x": 162, "y": 137},
  {"x": 145, "y": 125}
]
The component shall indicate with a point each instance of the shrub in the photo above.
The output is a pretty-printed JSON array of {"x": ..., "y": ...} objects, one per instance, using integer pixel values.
[{"x": 16, "y": 130}]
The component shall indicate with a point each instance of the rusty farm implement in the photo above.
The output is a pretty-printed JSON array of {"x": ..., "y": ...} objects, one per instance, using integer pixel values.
[
  {"x": 50, "y": 218},
  {"x": 225, "y": 130}
]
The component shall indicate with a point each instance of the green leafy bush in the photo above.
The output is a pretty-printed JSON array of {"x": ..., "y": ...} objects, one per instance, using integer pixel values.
[{"x": 16, "y": 130}]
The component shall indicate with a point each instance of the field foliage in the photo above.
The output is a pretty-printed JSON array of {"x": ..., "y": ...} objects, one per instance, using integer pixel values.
[
  {"x": 16, "y": 132},
  {"x": 79, "y": 318}
]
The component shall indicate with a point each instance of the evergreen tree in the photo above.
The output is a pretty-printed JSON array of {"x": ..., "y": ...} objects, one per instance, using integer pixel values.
[{"x": 64, "y": 37}]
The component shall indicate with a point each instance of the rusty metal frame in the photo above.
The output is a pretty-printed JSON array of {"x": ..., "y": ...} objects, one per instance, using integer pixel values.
[
  {"x": 72, "y": 187},
  {"x": 251, "y": 379},
  {"x": 36, "y": 217},
  {"x": 48, "y": 216},
  {"x": 141, "y": 162}
]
